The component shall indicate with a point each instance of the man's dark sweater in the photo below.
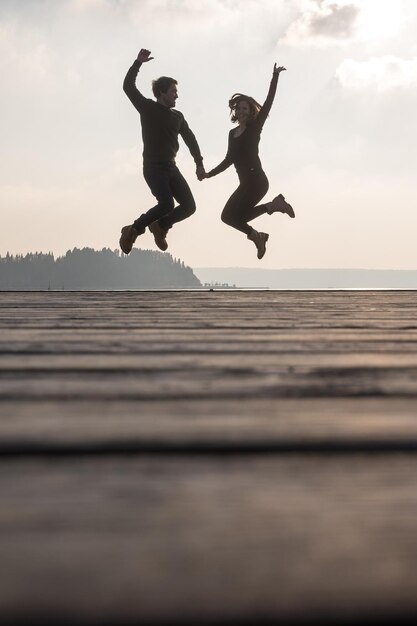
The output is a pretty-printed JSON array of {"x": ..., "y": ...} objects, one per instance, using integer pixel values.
[{"x": 160, "y": 125}]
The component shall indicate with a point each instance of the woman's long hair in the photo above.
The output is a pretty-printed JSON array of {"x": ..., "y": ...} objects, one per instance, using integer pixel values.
[{"x": 254, "y": 106}]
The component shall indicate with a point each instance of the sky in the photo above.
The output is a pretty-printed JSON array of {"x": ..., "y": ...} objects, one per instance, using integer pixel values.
[{"x": 340, "y": 142}]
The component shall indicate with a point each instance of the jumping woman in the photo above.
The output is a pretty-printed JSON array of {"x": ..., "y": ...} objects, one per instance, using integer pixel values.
[{"x": 243, "y": 153}]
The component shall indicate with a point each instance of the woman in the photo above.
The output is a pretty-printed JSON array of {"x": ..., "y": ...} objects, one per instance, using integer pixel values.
[{"x": 242, "y": 151}]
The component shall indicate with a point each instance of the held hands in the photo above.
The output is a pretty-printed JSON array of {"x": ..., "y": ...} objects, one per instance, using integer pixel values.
[
  {"x": 278, "y": 70},
  {"x": 143, "y": 55},
  {"x": 200, "y": 172}
]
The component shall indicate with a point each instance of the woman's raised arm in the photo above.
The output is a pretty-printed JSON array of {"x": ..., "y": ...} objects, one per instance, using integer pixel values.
[{"x": 266, "y": 107}]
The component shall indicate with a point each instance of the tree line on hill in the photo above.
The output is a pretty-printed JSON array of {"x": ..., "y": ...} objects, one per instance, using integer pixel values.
[{"x": 95, "y": 269}]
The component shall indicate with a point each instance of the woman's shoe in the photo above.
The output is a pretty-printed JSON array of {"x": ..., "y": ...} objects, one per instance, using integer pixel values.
[
  {"x": 280, "y": 205},
  {"x": 259, "y": 239}
]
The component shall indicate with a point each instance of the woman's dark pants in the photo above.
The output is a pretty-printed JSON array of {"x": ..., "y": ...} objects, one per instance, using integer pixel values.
[{"x": 242, "y": 206}]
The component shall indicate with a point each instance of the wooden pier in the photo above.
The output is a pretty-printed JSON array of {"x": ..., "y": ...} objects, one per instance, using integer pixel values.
[{"x": 205, "y": 457}]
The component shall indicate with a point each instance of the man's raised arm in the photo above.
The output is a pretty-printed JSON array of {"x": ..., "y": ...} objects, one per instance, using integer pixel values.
[{"x": 129, "y": 83}]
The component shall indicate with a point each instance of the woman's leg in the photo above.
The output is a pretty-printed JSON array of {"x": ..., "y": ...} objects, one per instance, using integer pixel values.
[
  {"x": 232, "y": 212},
  {"x": 260, "y": 185},
  {"x": 242, "y": 206}
]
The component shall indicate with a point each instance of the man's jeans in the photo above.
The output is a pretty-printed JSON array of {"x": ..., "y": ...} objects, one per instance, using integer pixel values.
[{"x": 167, "y": 184}]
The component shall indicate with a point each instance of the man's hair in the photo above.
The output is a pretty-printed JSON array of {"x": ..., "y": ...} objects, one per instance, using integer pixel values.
[
  {"x": 254, "y": 106},
  {"x": 162, "y": 84}
]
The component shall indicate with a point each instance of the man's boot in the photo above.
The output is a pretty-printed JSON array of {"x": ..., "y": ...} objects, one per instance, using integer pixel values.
[
  {"x": 128, "y": 238},
  {"x": 159, "y": 235}
]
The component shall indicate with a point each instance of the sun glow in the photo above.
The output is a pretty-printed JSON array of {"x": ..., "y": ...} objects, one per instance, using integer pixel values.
[{"x": 379, "y": 19}]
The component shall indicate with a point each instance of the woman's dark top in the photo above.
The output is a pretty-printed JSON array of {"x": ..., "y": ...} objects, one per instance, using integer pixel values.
[
  {"x": 160, "y": 125},
  {"x": 243, "y": 151}
]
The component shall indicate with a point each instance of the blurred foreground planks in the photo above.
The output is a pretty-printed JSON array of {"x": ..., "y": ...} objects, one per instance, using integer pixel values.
[{"x": 243, "y": 457}]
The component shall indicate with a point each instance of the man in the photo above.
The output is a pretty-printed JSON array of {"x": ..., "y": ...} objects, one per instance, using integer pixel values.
[{"x": 161, "y": 126}]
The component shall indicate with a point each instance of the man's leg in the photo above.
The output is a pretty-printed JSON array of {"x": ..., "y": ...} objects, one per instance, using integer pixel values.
[
  {"x": 157, "y": 177},
  {"x": 183, "y": 195}
]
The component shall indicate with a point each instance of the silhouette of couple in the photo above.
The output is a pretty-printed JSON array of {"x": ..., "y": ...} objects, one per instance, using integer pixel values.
[{"x": 161, "y": 125}]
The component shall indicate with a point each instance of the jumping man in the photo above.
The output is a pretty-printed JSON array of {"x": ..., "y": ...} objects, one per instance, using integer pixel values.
[{"x": 161, "y": 125}]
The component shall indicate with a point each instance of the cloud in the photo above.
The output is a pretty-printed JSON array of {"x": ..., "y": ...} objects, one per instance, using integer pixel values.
[
  {"x": 380, "y": 73},
  {"x": 334, "y": 22},
  {"x": 24, "y": 51},
  {"x": 380, "y": 20},
  {"x": 171, "y": 12},
  {"x": 83, "y": 5},
  {"x": 322, "y": 22},
  {"x": 248, "y": 22}
]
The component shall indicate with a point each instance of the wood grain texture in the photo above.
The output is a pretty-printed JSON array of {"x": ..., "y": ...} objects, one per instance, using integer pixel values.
[
  {"x": 206, "y": 539},
  {"x": 208, "y": 456}
]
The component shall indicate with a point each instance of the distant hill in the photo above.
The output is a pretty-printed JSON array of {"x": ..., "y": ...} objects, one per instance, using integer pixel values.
[
  {"x": 95, "y": 269},
  {"x": 254, "y": 278}
]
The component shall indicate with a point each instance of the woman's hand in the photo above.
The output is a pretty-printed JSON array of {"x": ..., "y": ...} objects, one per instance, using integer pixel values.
[
  {"x": 144, "y": 55},
  {"x": 278, "y": 70}
]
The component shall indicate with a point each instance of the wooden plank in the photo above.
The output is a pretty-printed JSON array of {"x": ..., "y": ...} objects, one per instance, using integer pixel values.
[
  {"x": 21, "y": 364},
  {"x": 188, "y": 384},
  {"x": 146, "y": 540},
  {"x": 206, "y": 336},
  {"x": 260, "y": 423},
  {"x": 211, "y": 382},
  {"x": 96, "y": 526}
]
